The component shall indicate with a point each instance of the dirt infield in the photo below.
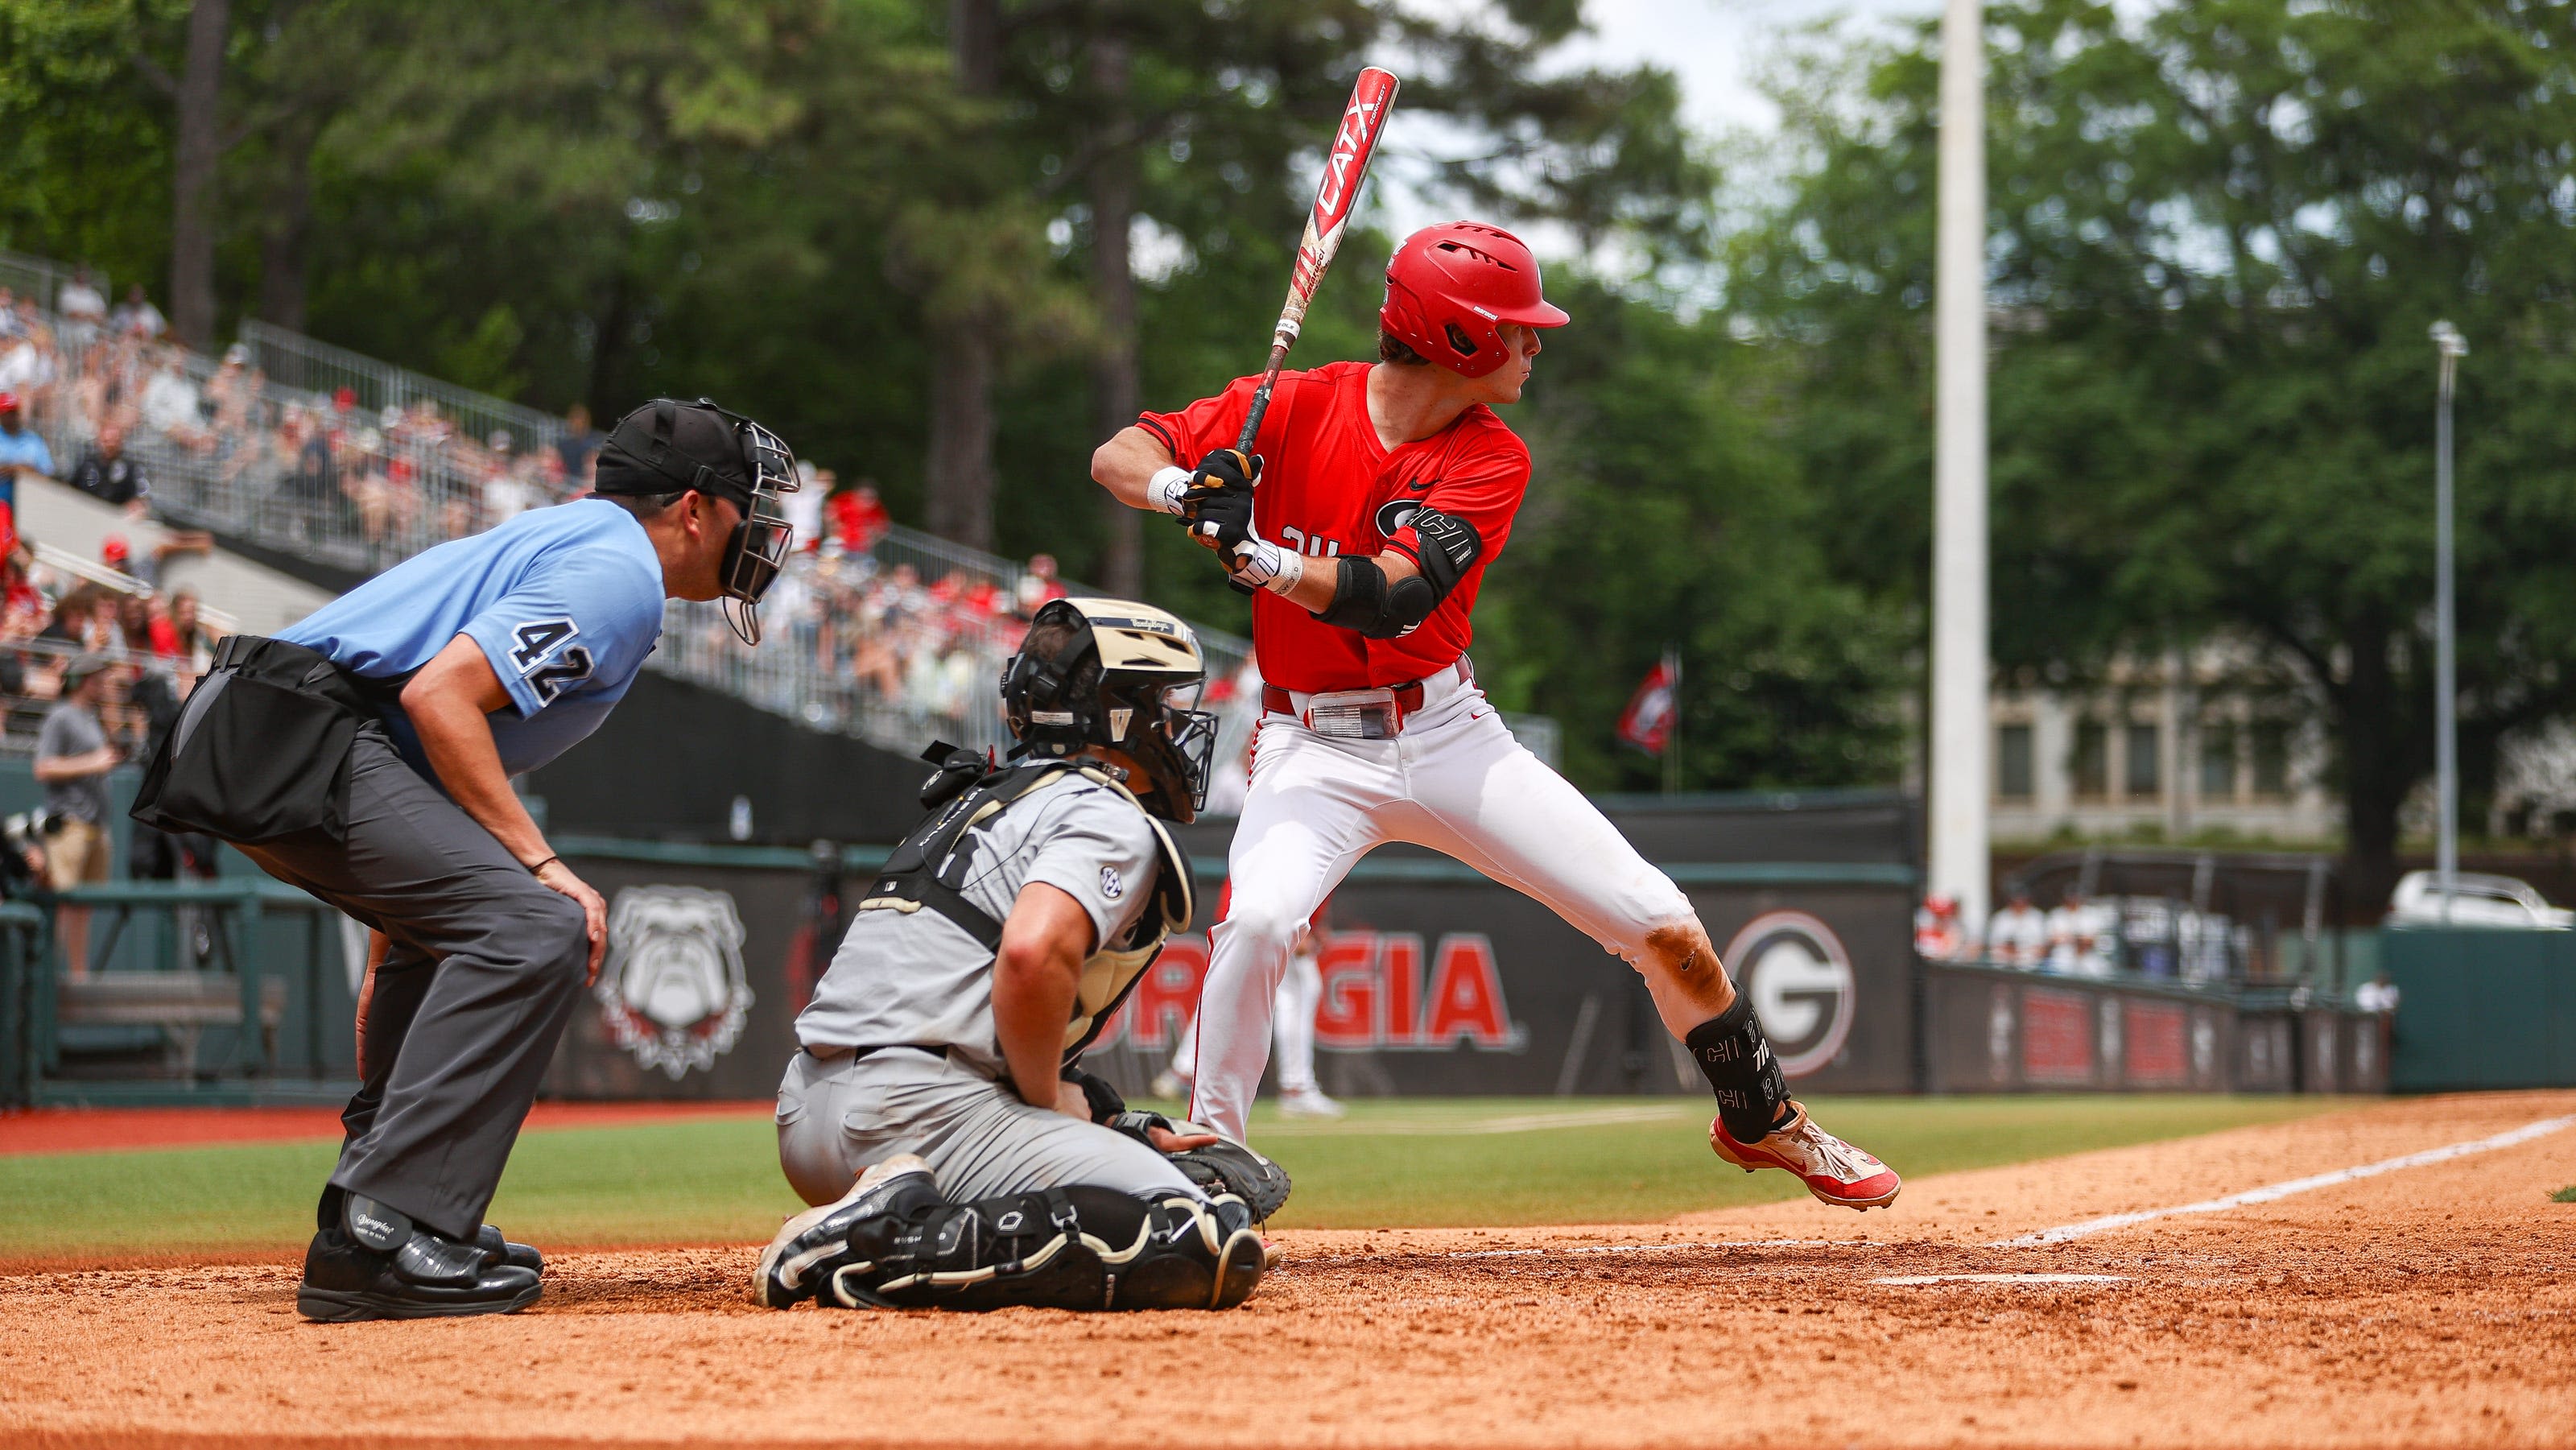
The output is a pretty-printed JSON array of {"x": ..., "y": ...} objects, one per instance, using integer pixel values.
[{"x": 2432, "y": 1305}]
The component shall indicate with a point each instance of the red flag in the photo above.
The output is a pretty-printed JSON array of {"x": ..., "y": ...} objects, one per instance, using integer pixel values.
[{"x": 1648, "y": 721}]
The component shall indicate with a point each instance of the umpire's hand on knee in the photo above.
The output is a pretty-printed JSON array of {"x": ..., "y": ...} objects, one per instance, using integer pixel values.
[{"x": 556, "y": 876}]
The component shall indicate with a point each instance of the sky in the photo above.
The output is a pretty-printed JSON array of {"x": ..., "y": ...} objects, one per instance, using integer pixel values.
[
  {"x": 1714, "y": 45},
  {"x": 1715, "y": 48}
]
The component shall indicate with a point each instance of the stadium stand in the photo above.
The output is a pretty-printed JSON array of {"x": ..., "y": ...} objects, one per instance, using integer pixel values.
[{"x": 328, "y": 466}]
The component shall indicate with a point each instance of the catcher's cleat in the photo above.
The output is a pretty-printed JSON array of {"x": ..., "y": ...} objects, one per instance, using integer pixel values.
[
  {"x": 1833, "y": 1170},
  {"x": 819, "y": 1235}
]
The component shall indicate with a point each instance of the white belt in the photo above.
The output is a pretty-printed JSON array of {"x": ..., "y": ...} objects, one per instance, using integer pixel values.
[{"x": 1378, "y": 714}]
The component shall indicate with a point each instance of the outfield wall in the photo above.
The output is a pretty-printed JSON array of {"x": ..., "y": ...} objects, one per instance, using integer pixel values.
[
  {"x": 1436, "y": 981},
  {"x": 2482, "y": 1009},
  {"x": 1993, "y": 1030}
]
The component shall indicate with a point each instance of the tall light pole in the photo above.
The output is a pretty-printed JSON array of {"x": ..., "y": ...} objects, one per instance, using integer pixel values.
[
  {"x": 1960, "y": 861},
  {"x": 2446, "y": 686}
]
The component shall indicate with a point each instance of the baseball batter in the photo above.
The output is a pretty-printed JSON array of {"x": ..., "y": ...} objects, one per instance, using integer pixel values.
[
  {"x": 936, "y": 1113},
  {"x": 1292, "y": 1026},
  {"x": 1390, "y": 489}
]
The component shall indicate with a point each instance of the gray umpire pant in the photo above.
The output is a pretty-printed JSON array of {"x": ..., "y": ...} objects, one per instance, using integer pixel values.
[
  {"x": 836, "y": 1116},
  {"x": 484, "y": 969}
]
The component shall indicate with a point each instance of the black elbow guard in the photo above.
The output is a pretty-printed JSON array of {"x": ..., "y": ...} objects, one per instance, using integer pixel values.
[
  {"x": 1359, "y": 594},
  {"x": 1365, "y": 602},
  {"x": 1408, "y": 603}
]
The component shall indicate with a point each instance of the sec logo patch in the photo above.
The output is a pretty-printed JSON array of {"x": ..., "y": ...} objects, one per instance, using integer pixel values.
[{"x": 1112, "y": 885}]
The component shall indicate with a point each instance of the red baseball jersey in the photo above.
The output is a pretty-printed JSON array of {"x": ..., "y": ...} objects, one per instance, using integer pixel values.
[{"x": 1328, "y": 487}]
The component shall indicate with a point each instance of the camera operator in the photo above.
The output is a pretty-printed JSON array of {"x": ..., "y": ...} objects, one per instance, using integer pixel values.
[{"x": 22, "y": 857}]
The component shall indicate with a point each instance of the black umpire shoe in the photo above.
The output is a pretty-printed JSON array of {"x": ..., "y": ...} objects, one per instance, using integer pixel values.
[
  {"x": 517, "y": 1256},
  {"x": 380, "y": 1265},
  {"x": 487, "y": 1238}
]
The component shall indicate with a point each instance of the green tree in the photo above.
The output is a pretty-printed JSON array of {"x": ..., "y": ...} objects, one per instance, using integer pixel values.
[
  {"x": 2219, "y": 233},
  {"x": 1664, "y": 511}
]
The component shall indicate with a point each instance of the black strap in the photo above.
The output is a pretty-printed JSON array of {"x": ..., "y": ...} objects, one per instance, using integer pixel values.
[
  {"x": 911, "y": 873},
  {"x": 292, "y": 666}
]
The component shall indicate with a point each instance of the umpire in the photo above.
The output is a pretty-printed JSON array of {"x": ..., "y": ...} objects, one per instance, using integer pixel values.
[{"x": 365, "y": 756}]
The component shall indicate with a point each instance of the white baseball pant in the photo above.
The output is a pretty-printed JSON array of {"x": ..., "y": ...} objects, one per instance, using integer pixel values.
[{"x": 1453, "y": 780}]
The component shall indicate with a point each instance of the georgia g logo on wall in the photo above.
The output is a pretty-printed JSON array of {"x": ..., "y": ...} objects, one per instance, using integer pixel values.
[
  {"x": 672, "y": 990},
  {"x": 1800, "y": 979}
]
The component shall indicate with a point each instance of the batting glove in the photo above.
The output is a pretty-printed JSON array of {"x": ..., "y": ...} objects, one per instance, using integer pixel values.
[
  {"x": 1218, "y": 501},
  {"x": 1224, "y": 515}
]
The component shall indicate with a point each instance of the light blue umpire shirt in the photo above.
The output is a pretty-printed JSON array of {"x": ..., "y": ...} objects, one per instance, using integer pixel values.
[{"x": 566, "y": 603}]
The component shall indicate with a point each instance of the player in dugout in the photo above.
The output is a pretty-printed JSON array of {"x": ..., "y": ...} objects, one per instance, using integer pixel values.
[
  {"x": 365, "y": 755},
  {"x": 1391, "y": 488},
  {"x": 936, "y": 1113}
]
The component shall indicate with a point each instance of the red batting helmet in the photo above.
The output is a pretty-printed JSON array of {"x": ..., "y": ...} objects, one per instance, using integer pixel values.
[{"x": 1450, "y": 287}]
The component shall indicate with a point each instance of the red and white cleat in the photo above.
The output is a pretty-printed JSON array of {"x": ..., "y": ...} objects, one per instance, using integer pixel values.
[{"x": 1833, "y": 1170}]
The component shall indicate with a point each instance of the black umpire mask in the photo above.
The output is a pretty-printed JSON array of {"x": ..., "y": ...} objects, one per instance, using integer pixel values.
[{"x": 667, "y": 446}]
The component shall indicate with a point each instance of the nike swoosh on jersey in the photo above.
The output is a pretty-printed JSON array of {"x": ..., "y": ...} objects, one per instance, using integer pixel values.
[{"x": 1419, "y": 485}]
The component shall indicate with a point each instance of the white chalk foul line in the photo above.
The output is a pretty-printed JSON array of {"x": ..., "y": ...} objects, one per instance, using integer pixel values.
[
  {"x": 1300, "y": 1259},
  {"x": 2269, "y": 1192},
  {"x": 1912, "y": 1281}
]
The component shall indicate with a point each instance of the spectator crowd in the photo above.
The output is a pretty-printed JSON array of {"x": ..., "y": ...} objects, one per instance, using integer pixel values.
[
  {"x": 2080, "y": 937},
  {"x": 887, "y": 634}
]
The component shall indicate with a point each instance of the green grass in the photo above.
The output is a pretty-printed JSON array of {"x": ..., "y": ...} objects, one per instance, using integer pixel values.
[
  {"x": 1458, "y": 1162},
  {"x": 2564, "y": 1195}
]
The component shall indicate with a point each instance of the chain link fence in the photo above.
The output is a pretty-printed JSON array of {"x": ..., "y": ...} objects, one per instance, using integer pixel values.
[{"x": 382, "y": 390}]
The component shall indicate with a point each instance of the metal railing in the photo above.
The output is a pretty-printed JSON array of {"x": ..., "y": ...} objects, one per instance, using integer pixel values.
[
  {"x": 902, "y": 640},
  {"x": 251, "y": 1009},
  {"x": 228, "y": 449},
  {"x": 42, "y": 278},
  {"x": 66, "y": 564},
  {"x": 293, "y": 360},
  {"x": 895, "y": 645}
]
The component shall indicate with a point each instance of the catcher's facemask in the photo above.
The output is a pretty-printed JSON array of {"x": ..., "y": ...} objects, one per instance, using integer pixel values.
[
  {"x": 758, "y": 547},
  {"x": 1146, "y": 703}
]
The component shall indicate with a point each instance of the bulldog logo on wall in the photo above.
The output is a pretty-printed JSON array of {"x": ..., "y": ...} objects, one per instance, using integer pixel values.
[
  {"x": 672, "y": 990},
  {"x": 1800, "y": 980}
]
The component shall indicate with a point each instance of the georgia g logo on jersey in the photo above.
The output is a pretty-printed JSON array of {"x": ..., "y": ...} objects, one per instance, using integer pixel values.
[{"x": 1394, "y": 514}]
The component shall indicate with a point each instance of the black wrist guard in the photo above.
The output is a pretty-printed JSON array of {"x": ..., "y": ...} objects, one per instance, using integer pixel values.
[{"x": 1104, "y": 1101}]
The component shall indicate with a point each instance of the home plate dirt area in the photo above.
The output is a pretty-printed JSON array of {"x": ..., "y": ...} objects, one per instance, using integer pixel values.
[{"x": 2429, "y": 1303}]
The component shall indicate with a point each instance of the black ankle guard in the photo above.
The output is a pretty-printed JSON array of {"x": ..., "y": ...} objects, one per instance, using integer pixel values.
[{"x": 1731, "y": 1051}]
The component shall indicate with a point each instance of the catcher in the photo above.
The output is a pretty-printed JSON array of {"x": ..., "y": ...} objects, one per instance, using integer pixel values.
[{"x": 935, "y": 1114}]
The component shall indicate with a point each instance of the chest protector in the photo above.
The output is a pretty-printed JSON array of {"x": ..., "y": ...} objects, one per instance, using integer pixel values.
[{"x": 928, "y": 873}]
